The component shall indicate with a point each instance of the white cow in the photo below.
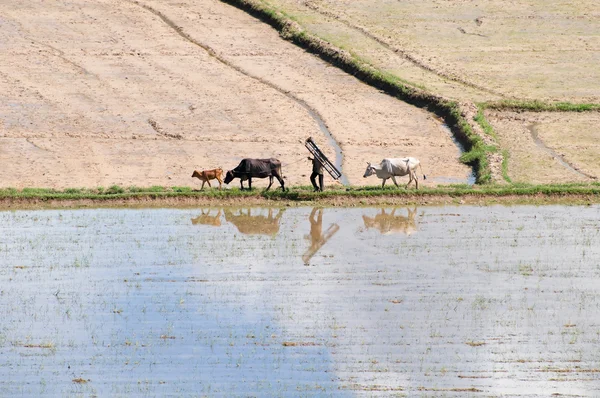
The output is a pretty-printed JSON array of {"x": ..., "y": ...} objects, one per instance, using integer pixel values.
[{"x": 392, "y": 168}]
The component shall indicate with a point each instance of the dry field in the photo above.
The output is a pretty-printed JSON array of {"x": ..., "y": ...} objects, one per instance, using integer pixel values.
[
  {"x": 447, "y": 301},
  {"x": 549, "y": 146},
  {"x": 481, "y": 51},
  {"x": 141, "y": 93}
]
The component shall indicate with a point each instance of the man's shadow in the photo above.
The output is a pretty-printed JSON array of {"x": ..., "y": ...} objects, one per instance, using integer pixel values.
[{"x": 317, "y": 237}]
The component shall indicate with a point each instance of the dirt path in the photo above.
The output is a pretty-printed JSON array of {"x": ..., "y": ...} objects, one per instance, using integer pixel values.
[{"x": 141, "y": 94}]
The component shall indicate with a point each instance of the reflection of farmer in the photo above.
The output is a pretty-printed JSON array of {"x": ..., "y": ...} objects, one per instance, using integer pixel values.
[
  {"x": 317, "y": 170},
  {"x": 316, "y": 227},
  {"x": 317, "y": 237}
]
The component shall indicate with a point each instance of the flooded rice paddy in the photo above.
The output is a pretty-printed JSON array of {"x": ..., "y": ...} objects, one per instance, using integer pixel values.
[{"x": 428, "y": 301}]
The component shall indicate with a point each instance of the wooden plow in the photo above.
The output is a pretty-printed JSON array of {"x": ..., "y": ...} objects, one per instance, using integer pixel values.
[{"x": 320, "y": 156}]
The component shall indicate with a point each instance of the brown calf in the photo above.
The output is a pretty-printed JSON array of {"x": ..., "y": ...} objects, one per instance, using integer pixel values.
[{"x": 207, "y": 175}]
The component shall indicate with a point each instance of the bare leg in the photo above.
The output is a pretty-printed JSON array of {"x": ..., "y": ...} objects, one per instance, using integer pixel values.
[{"x": 313, "y": 181}]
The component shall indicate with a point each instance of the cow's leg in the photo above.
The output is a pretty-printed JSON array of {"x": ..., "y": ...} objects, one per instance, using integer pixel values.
[
  {"x": 250, "y": 183},
  {"x": 208, "y": 182},
  {"x": 220, "y": 183},
  {"x": 270, "y": 182},
  {"x": 383, "y": 182},
  {"x": 202, "y": 187},
  {"x": 412, "y": 177},
  {"x": 241, "y": 184},
  {"x": 280, "y": 181},
  {"x": 394, "y": 179}
]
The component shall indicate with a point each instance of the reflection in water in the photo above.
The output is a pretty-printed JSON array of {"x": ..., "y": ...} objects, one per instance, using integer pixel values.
[
  {"x": 391, "y": 223},
  {"x": 317, "y": 238},
  {"x": 246, "y": 223},
  {"x": 207, "y": 219},
  {"x": 505, "y": 297}
]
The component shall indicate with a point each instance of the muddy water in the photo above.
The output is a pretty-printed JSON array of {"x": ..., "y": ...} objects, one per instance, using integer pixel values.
[{"x": 432, "y": 301}]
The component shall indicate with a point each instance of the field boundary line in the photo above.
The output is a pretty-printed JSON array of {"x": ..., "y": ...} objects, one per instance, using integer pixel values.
[{"x": 116, "y": 196}]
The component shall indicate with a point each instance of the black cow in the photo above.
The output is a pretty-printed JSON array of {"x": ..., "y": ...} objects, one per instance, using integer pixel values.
[{"x": 256, "y": 168}]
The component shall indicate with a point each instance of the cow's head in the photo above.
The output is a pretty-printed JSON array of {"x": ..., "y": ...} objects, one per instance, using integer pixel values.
[
  {"x": 228, "y": 177},
  {"x": 369, "y": 171},
  {"x": 195, "y": 174}
]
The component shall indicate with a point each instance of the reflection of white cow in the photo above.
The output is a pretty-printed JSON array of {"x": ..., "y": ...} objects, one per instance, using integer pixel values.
[
  {"x": 389, "y": 223},
  {"x": 392, "y": 168}
]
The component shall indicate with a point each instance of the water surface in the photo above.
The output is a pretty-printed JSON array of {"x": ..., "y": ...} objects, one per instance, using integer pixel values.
[{"x": 432, "y": 301}]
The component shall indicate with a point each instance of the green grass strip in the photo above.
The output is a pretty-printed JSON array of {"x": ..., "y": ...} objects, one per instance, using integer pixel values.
[
  {"x": 489, "y": 130},
  {"x": 299, "y": 193},
  {"x": 505, "y": 157},
  {"x": 541, "y": 106}
]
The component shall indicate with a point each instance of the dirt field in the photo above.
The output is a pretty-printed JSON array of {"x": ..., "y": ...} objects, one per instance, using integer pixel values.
[
  {"x": 119, "y": 92},
  {"x": 549, "y": 147},
  {"x": 484, "y": 51},
  {"x": 521, "y": 49}
]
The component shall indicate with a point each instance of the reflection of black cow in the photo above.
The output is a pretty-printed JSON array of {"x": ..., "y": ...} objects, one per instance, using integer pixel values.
[
  {"x": 256, "y": 168},
  {"x": 246, "y": 223},
  {"x": 207, "y": 219},
  {"x": 391, "y": 223}
]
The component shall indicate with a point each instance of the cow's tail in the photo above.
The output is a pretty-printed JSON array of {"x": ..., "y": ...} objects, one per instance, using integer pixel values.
[{"x": 424, "y": 176}]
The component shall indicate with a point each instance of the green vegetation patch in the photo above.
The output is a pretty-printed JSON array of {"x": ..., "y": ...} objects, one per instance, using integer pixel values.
[{"x": 540, "y": 106}]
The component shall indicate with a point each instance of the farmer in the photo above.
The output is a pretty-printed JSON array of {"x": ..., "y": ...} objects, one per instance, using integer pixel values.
[{"x": 317, "y": 170}]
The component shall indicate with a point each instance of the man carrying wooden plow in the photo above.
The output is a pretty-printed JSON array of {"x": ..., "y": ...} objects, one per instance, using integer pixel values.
[{"x": 319, "y": 162}]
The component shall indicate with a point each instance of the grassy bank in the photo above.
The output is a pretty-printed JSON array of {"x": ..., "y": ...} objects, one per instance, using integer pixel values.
[
  {"x": 476, "y": 154},
  {"x": 490, "y": 161},
  {"x": 540, "y": 106},
  {"x": 517, "y": 193}
]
